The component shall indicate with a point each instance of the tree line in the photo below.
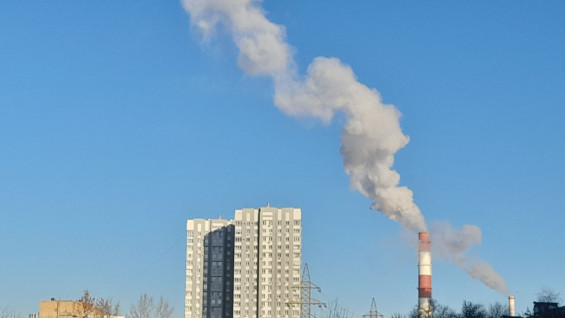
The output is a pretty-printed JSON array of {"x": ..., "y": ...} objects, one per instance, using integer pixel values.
[
  {"x": 335, "y": 309},
  {"x": 145, "y": 307},
  {"x": 475, "y": 310},
  {"x": 92, "y": 307},
  {"x": 149, "y": 307}
]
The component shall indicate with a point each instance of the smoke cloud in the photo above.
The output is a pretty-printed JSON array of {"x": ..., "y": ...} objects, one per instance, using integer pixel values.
[
  {"x": 453, "y": 244},
  {"x": 371, "y": 135}
]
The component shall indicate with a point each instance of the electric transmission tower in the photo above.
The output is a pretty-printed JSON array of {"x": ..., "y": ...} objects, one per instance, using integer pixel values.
[
  {"x": 373, "y": 313},
  {"x": 306, "y": 300}
]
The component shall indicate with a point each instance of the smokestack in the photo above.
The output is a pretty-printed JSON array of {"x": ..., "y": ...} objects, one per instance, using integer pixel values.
[
  {"x": 511, "y": 306},
  {"x": 424, "y": 276}
]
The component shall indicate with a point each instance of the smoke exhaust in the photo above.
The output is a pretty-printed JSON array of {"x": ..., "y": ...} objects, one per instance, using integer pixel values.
[
  {"x": 511, "y": 306},
  {"x": 371, "y": 135},
  {"x": 424, "y": 275}
]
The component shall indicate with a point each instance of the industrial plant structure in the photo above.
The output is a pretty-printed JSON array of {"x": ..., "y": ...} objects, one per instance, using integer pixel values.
[{"x": 424, "y": 276}]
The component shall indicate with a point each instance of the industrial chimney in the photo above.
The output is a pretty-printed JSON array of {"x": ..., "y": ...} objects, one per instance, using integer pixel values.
[
  {"x": 511, "y": 306},
  {"x": 424, "y": 276}
]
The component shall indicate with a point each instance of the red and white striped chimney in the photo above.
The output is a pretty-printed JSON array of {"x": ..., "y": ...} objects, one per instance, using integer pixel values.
[{"x": 424, "y": 276}]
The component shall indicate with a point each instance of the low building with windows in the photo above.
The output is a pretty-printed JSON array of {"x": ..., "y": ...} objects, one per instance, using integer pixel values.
[{"x": 69, "y": 309}]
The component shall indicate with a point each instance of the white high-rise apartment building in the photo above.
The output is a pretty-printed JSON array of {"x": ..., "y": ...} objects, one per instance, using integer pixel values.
[
  {"x": 267, "y": 260},
  {"x": 264, "y": 276},
  {"x": 209, "y": 268}
]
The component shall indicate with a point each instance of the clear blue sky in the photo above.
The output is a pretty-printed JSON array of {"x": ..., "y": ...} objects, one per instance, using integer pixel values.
[{"x": 117, "y": 124}]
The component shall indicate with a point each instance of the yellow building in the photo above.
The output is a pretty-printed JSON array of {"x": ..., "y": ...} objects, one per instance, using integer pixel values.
[{"x": 67, "y": 309}]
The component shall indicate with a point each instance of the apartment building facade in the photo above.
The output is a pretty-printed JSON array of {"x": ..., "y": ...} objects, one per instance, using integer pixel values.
[
  {"x": 263, "y": 278},
  {"x": 209, "y": 268}
]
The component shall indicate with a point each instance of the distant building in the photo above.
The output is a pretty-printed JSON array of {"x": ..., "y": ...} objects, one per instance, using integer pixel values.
[
  {"x": 248, "y": 267},
  {"x": 548, "y": 310},
  {"x": 68, "y": 308},
  {"x": 65, "y": 308}
]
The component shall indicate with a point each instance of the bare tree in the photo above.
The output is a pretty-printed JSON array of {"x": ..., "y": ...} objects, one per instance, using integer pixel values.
[
  {"x": 415, "y": 313},
  {"x": 87, "y": 302},
  {"x": 497, "y": 310},
  {"x": 442, "y": 311},
  {"x": 436, "y": 310},
  {"x": 528, "y": 313},
  {"x": 164, "y": 310},
  {"x": 143, "y": 308},
  {"x": 549, "y": 295},
  {"x": 107, "y": 307},
  {"x": 7, "y": 312},
  {"x": 93, "y": 307},
  {"x": 468, "y": 310},
  {"x": 146, "y": 308},
  {"x": 471, "y": 310},
  {"x": 334, "y": 309}
]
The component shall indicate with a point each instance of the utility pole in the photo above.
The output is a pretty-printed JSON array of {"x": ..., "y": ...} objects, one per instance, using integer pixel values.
[
  {"x": 306, "y": 300},
  {"x": 373, "y": 313}
]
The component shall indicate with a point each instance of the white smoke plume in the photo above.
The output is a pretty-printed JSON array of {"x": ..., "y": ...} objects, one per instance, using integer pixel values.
[
  {"x": 371, "y": 135},
  {"x": 453, "y": 244}
]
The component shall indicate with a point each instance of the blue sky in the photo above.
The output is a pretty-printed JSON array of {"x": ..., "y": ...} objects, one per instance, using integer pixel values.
[{"x": 117, "y": 123}]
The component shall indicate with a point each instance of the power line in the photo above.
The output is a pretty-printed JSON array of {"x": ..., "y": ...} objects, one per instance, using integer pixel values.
[
  {"x": 306, "y": 301},
  {"x": 151, "y": 264}
]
